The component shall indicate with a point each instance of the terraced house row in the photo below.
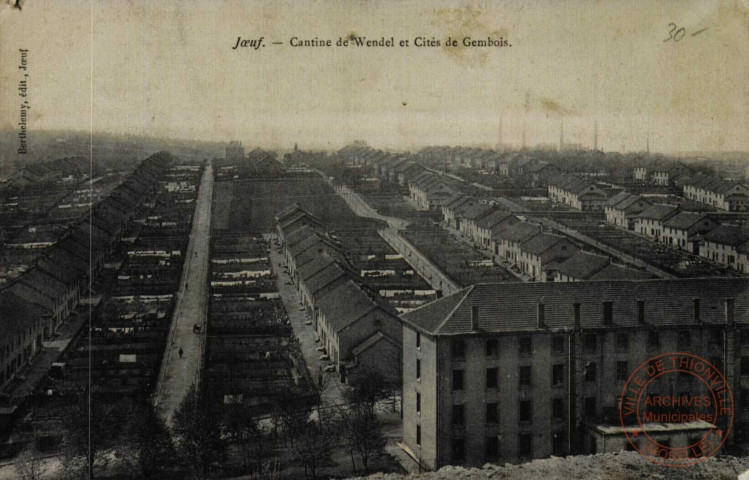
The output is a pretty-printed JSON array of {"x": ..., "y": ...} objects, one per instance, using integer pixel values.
[{"x": 51, "y": 289}]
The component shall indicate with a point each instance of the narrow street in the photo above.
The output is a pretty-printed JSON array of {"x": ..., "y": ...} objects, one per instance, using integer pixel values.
[{"x": 179, "y": 372}]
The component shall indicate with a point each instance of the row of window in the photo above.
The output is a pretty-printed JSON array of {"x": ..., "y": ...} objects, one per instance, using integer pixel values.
[
  {"x": 491, "y": 446},
  {"x": 590, "y": 343}
]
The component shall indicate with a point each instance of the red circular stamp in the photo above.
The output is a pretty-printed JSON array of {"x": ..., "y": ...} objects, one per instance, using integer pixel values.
[{"x": 676, "y": 409}]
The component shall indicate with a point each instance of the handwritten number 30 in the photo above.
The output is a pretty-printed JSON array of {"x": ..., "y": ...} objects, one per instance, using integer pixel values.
[{"x": 675, "y": 34}]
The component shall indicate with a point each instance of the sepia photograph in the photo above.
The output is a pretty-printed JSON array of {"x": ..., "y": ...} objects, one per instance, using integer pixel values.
[{"x": 374, "y": 239}]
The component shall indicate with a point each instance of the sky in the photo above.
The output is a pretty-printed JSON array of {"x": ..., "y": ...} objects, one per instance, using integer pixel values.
[{"x": 168, "y": 69}]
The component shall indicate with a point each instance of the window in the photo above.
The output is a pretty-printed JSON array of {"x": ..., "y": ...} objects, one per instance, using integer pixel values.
[
  {"x": 654, "y": 340},
  {"x": 418, "y": 369},
  {"x": 525, "y": 448},
  {"x": 622, "y": 342},
  {"x": 459, "y": 415},
  {"x": 589, "y": 406},
  {"x": 418, "y": 435},
  {"x": 590, "y": 343},
  {"x": 491, "y": 448},
  {"x": 744, "y": 338},
  {"x": 621, "y": 371},
  {"x": 557, "y": 409},
  {"x": 590, "y": 372},
  {"x": 492, "y": 413},
  {"x": 640, "y": 311},
  {"x": 458, "y": 348},
  {"x": 576, "y": 313},
  {"x": 696, "y": 303},
  {"x": 459, "y": 450},
  {"x": 492, "y": 377},
  {"x": 557, "y": 374},
  {"x": 717, "y": 362},
  {"x": 457, "y": 379},
  {"x": 684, "y": 339},
  {"x": 715, "y": 337},
  {"x": 525, "y": 415},
  {"x": 745, "y": 366},
  {"x": 525, "y": 346},
  {"x": 608, "y": 313},
  {"x": 524, "y": 376},
  {"x": 492, "y": 347},
  {"x": 418, "y": 403},
  {"x": 541, "y": 315},
  {"x": 418, "y": 341},
  {"x": 557, "y": 345}
]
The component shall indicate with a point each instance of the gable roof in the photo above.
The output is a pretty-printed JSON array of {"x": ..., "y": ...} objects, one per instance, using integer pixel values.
[
  {"x": 726, "y": 235},
  {"x": 519, "y": 232},
  {"x": 582, "y": 265},
  {"x": 684, "y": 220},
  {"x": 659, "y": 211},
  {"x": 538, "y": 244}
]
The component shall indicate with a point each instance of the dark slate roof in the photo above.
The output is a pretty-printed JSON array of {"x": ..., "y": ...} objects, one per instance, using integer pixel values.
[
  {"x": 659, "y": 211},
  {"x": 618, "y": 272},
  {"x": 684, "y": 220},
  {"x": 727, "y": 235},
  {"x": 18, "y": 315},
  {"x": 324, "y": 278},
  {"x": 345, "y": 305},
  {"x": 519, "y": 232},
  {"x": 508, "y": 307},
  {"x": 538, "y": 244},
  {"x": 494, "y": 218},
  {"x": 582, "y": 265},
  {"x": 373, "y": 340},
  {"x": 477, "y": 211}
]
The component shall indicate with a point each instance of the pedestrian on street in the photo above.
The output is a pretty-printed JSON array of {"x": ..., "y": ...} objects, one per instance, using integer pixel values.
[{"x": 181, "y": 352}]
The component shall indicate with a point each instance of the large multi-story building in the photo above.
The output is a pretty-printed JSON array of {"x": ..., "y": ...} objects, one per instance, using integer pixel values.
[{"x": 501, "y": 372}]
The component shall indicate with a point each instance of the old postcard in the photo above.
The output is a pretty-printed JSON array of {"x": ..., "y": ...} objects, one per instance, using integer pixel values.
[{"x": 343, "y": 239}]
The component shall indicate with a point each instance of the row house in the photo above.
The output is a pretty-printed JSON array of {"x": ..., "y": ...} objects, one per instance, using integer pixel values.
[
  {"x": 454, "y": 207},
  {"x": 588, "y": 266},
  {"x": 622, "y": 208},
  {"x": 469, "y": 217},
  {"x": 576, "y": 192},
  {"x": 511, "y": 372},
  {"x": 428, "y": 192},
  {"x": 407, "y": 171},
  {"x": 685, "y": 229},
  {"x": 541, "y": 173},
  {"x": 355, "y": 327},
  {"x": 730, "y": 196},
  {"x": 650, "y": 222},
  {"x": 540, "y": 255},
  {"x": 22, "y": 324},
  {"x": 495, "y": 221},
  {"x": 507, "y": 241},
  {"x": 669, "y": 174},
  {"x": 727, "y": 245}
]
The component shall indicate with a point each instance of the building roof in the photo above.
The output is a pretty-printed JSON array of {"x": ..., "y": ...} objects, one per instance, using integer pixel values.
[
  {"x": 519, "y": 232},
  {"x": 618, "y": 272},
  {"x": 371, "y": 342},
  {"x": 659, "y": 211},
  {"x": 344, "y": 305},
  {"x": 684, "y": 220},
  {"x": 582, "y": 265},
  {"x": 726, "y": 235},
  {"x": 18, "y": 316},
  {"x": 513, "y": 307},
  {"x": 494, "y": 218},
  {"x": 538, "y": 244}
]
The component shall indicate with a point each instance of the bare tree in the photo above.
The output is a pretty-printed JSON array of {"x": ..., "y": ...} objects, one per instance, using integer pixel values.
[
  {"x": 314, "y": 446},
  {"x": 363, "y": 432},
  {"x": 251, "y": 439},
  {"x": 149, "y": 447},
  {"x": 200, "y": 442},
  {"x": 90, "y": 433}
]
